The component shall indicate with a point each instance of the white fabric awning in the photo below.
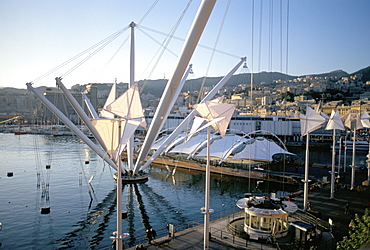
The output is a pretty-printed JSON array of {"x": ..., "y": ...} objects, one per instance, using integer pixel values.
[
  {"x": 191, "y": 145},
  {"x": 220, "y": 147},
  {"x": 258, "y": 148},
  {"x": 261, "y": 149}
]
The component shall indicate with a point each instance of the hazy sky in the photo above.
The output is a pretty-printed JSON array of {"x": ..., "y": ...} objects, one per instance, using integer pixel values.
[{"x": 297, "y": 37}]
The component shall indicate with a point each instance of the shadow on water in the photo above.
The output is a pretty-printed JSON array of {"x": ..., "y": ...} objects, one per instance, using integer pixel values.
[
  {"x": 133, "y": 189},
  {"x": 163, "y": 207},
  {"x": 99, "y": 216},
  {"x": 91, "y": 232}
]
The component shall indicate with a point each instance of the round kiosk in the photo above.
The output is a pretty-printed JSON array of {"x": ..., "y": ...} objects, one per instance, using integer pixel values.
[{"x": 266, "y": 217}]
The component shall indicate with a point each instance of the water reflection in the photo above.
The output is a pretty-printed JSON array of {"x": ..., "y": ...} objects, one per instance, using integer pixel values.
[
  {"x": 93, "y": 227},
  {"x": 164, "y": 199}
]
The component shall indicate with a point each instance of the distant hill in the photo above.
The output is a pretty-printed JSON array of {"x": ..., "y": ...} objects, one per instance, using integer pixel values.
[
  {"x": 156, "y": 87},
  {"x": 365, "y": 74},
  {"x": 335, "y": 73}
]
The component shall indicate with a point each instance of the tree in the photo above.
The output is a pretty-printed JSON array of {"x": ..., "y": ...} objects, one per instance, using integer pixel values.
[
  {"x": 288, "y": 96},
  {"x": 359, "y": 232}
]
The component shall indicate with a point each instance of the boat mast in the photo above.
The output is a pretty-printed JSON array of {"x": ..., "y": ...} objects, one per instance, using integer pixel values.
[{"x": 164, "y": 108}]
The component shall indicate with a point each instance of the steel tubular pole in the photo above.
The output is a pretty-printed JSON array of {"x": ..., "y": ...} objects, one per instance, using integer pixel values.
[
  {"x": 80, "y": 111},
  {"x": 72, "y": 126},
  {"x": 130, "y": 143},
  {"x": 353, "y": 158},
  {"x": 305, "y": 195},
  {"x": 164, "y": 108},
  {"x": 119, "y": 245},
  {"x": 332, "y": 168},
  {"x": 186, "y": 121},
  {"x": 207, "y": 191}
]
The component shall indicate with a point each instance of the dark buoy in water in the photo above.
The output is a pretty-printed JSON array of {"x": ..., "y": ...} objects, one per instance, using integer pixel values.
[
  {"x": 124, "y": 214},
  {"x": 45, "y": 210},
  {"x": 87, "y": 162},
  {"x": 9, "y": 174},
  {"x": 47, "y": 166}
]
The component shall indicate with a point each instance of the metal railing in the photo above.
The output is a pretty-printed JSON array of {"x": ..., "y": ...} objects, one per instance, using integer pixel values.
[{"x": 163, "y": 232}]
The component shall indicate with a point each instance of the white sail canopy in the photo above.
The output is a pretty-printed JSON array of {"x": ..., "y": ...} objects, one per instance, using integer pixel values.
[
  {"x": 261, "y": 149},
  {"x": 347, "y": 120},
  {"x": 311, "y": 121},
  {"x": 214, "y": 109},
  {"x": 335, "y": 122},
  {"x": 365, "y": 119},
  {"x": 199, "y": 121},
  {"x": 117, "y": 132},
  {"x": 128, "y": 106},
  {"x": 358, "y": 122},
  {"x": 109, "y": 131},
  {"x": 110, "y": 99}
]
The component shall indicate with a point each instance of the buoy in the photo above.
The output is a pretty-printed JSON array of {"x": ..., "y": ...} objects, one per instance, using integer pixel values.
[
  {"x": 45, "y": 210},
  {"x": 124, "y": 214},
  {"x": 47, "y": 166},
  {"x": 87, "y": 162},
  {"x": 9, "y": 174}
]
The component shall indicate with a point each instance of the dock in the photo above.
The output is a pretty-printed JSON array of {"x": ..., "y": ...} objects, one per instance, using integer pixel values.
[
  {"x": 288, "y": 178},
  {"x": 321, "y": 206}
]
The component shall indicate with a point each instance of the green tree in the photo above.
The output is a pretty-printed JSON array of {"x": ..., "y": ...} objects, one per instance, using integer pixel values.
[
  {"x": 359, "y": 232},
  {"x": 288, "y": 96}
]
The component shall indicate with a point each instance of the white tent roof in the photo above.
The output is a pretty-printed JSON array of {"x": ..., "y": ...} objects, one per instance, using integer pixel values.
[
  {"x": 192, "y": 145},
  {"x": 255, "y": 149},
  {"x": 158, "y": 143},
  {"x": 220, "y": 147},
  {"x": 261, "y": 149}
]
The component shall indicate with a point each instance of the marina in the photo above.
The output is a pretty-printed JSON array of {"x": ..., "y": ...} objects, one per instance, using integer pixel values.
[
  {"x": 116, "y": 176},
  {"x": 75, "y": 221}
]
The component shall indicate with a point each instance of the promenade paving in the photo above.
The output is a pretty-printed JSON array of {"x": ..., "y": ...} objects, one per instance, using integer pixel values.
[{"x": 321, "y": 205}]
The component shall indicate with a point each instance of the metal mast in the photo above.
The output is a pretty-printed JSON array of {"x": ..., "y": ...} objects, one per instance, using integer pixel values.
[{"x": 164, "y": 108}]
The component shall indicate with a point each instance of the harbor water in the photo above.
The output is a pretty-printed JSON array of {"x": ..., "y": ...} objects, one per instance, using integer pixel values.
[{"x": 41, "y": 170}]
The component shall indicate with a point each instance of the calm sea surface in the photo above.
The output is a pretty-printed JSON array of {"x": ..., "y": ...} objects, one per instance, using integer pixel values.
[{"x": 75, "y": 220}]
